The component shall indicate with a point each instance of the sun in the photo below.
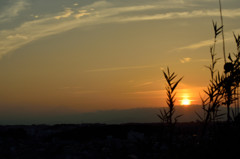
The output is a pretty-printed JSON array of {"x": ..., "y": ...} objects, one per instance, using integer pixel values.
[{"x": 185, "y": 101}]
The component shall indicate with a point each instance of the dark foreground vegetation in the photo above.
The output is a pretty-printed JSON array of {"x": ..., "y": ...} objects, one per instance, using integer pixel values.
[{"x": 132, "y": 141}]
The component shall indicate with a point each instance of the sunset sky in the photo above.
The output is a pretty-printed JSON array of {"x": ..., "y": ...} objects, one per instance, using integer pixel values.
[{"x": 90, "y": 55}]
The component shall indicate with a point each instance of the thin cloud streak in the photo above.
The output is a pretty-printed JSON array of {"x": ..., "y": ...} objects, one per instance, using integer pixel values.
[
  {"x": 68, "y": 12},
  {"x": 119, "y": 68},
  {"x": 197, "y": 45},
  {"x": 208, "y": 43},
  {"x": 175, "y": 15},
  {"x": 152, "y": 92},
  {"x": 185, "y": 60},
  {"x": 144, "y": 84}
]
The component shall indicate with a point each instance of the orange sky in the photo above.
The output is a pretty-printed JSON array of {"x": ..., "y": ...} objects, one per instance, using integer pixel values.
[{"x": 80, "y": 56}]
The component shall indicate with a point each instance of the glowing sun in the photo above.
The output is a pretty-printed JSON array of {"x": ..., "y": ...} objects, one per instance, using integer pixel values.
[{"x": 185, "y": 102}]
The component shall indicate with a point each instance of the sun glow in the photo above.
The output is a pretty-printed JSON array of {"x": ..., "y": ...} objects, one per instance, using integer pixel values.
[
  {"x": 185, "y": 102},
  {"x": 185, "y": 99}
]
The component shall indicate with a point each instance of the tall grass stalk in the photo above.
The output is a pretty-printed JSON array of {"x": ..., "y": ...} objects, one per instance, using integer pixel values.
[
  {"x": 214, "y": 92},
  {"x": 167, "y": 115},
  {"x": 223, "y": 87},
  {"x": 223, "y": 39}
]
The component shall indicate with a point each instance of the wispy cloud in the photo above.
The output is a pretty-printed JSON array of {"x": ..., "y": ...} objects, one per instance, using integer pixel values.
[
  {"x": 197, "y": 45},
  {"x": 95, "y": 13},
  {"x": 99, "y": 5},
  {"x": 185, "y": 14},
  {"x": 185, "y": 60},
  {"x": 150, "y": 92},
  {"x": 119, "y": 68},
  {"x": 144, "y": 84},
  {"x": 68, "y": 12},
  {"x": 36, "y": 29},
  {"x": 77, "y": 90},
  {"x": 13, "y": 10},
  {"x": 81, "y": 13},
  {"x": 208, "y": 43},
  {"x": 17, "y": 36}
]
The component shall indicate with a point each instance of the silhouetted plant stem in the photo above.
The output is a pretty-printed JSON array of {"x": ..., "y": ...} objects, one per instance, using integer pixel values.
[
  {"x": 167, "y": 115},
  {"x": 228, "y": 113},
  {"x": 223, "y": 87},
  {"x": 237, "y": 102},
  {"x": 214, "y": 92},
  {"x": 224, "y": 55},
  {"x": 223, "y": 39},
  {"x": 205, "y": 124}
]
